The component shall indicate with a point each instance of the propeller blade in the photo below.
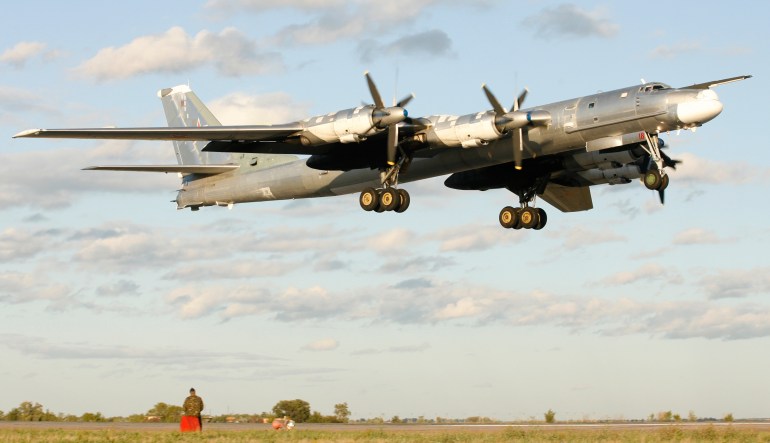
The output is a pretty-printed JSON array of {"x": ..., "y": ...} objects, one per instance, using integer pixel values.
[
  {"x": 404, "y": 101},
  {"x": 520, "y": 100},
  {"x": 378, "y": 103},
  {"x": 392, "y": 144},
  {"x": 517, "y": 143},
  {"x": 668, "y": 161},
  {"x": 493, "y": 101},
  {"x": 662, "y": 196}
]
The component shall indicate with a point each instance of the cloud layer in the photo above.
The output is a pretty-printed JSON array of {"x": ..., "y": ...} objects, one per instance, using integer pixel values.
[{"x": 174, "y": 51}]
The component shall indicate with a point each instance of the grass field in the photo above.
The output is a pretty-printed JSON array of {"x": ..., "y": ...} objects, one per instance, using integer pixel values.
[{"x": 668, "y": 434}]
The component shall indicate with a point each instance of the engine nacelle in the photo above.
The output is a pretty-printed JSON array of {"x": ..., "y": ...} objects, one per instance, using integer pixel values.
[
  {"x": 346, "y": 126},
  {"x": 468, "y": 131},
  {"x": 615, "y": 176}
]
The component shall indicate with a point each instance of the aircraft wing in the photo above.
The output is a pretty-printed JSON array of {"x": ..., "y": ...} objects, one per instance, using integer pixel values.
[
  {"x": 211, "y": 133},
  {"x": 568, "y": 199},
  {"x": 711, "y": 84},
  {"x": 182, "y": 169}
]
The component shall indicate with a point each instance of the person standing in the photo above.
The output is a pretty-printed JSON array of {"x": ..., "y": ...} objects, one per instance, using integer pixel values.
[{"x": 193, "y": 406}]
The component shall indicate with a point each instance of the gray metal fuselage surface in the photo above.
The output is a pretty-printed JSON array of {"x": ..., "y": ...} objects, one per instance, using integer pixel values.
[{"x": 599, "y": 120}]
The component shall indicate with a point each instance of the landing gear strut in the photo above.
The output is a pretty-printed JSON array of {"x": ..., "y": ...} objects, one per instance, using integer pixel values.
[
  {"x": 388, "y": 198},
  {"x": 525, "y": 216},
  {"x": 655, "y": 179}
]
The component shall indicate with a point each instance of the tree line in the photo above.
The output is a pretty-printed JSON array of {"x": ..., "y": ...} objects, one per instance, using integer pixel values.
[{"x": 298, "y": 410}]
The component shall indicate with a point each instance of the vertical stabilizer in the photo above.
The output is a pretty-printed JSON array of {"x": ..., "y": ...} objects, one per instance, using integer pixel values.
[{"x": 184, "y": 109}]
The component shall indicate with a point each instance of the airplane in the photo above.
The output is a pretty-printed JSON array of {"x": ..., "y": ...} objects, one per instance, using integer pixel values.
[{"x": 555, "y": 152}]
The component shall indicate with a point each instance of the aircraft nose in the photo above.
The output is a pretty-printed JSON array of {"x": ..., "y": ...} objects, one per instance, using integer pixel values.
[{"x": 704, "y": 107}]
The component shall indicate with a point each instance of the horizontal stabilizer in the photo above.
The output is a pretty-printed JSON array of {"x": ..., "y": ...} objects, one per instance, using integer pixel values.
[
  {"x": 182, "y": 169},
  {"x": 246, "y": 133}
]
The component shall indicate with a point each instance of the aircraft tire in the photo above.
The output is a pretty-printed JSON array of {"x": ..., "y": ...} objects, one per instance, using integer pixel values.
[
  {"x": 389, "y": 199},
  {"x": 530, "y": 217},
  {"x": 404, "y": 201},
  {"x": 369, "y": 199},
  {"x": 508, "y": 218},
  {"x": 543, "y": 219},
  {"x": 664, "y": 183},
  {"x": 652, "y": 179}
]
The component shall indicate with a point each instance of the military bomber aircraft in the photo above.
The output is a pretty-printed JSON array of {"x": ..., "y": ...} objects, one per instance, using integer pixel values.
[{"x": 555, "y": 151}]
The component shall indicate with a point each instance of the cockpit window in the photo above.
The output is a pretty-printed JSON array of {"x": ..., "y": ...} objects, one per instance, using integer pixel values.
[{"x": 654, "y": 87}]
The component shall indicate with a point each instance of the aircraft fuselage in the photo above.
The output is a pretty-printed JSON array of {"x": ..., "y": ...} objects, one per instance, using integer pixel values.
[{"x": 593, "y": 122}]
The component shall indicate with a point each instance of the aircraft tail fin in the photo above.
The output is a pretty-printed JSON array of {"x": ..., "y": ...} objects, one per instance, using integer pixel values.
[{"x": 184, "y": 109}]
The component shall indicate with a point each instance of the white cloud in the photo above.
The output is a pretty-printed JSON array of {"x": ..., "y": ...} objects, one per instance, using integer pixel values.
[
  {"x": 474, "y": 237},
  {"x": 236, "y": 269},
  {"x": 326, "y": 344},
  {"x": 19, "y": 287},
  {"x": 258, "y": 6},
  {"x": 174, "y": 51},
  {"x": 696, "y": 169},
  {"x": 571, "y": 21},
  {"x": 736, "y": 283},
  {"x": 392, "y": 241},
  {"x": 17, "y": 245},
  {"x": 675, "y": 50},
  {"x": 578, "y": 237},
  {"x": 14, "y": 100},
  {"x": 58, "y": 179},
  {"x": 21, "y": 53},
  {"x": 460, "y": 304},
  {"x": 244, "y": 109},
  {"x": 646, "y": 273},
  {"x": 696, "y": 236},
  {"x": 424, "y": 45}
]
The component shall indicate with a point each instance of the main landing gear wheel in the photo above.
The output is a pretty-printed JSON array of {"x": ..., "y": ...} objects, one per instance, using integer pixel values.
[
  {"x": 655, "y": 181},
  {"x": 509, "y": 217},
  {"x": 369, "y": 199},
  {"x": 382, "y": 200},
  {"x": 523, "y": 218},
  {"x": 389, "y": 199},
  {"x": 542, "y": 219},
  {"x": 529, "y": 217},
  {"x": 405, "y": 200}
]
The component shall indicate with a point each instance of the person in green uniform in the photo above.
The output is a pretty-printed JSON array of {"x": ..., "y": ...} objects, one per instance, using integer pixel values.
[{"x": 193, "y": 406}]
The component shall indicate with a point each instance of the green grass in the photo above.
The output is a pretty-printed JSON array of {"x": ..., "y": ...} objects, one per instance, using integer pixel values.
[{"x": 669, "y": 434}]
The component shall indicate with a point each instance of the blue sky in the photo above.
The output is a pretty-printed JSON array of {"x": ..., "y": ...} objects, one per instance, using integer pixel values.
[{"x": 112, "y": 300}]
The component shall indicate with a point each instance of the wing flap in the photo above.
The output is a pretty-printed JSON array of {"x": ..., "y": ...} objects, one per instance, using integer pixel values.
[
  {"x": 182, "y": 169},
  {"x": 210, "y": 133},
  {"x": 568, "y": 199}
]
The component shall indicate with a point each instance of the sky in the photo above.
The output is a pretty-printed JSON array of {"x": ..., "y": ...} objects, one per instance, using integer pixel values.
[{"x": 111, "y": 300}]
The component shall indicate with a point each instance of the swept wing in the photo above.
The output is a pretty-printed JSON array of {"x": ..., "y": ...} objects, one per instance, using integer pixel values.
[{"x": 210, "y": 133}]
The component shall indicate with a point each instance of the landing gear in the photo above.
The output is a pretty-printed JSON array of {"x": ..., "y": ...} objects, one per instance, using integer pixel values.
[
  {"x": 388, "y": 198},
  {"x": 382, "y": 200},
  {"x": 523, "y": 218},
  {"x": 656, "y": 180}
]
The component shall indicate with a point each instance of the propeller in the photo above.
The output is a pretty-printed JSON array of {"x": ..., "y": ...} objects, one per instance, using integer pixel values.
[
  {"x": 387, "y": 117},
  {"x": 516, "y": 121}
]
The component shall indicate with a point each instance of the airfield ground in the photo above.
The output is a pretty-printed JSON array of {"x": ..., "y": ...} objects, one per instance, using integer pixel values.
[{"x": 241, "y": 432}]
